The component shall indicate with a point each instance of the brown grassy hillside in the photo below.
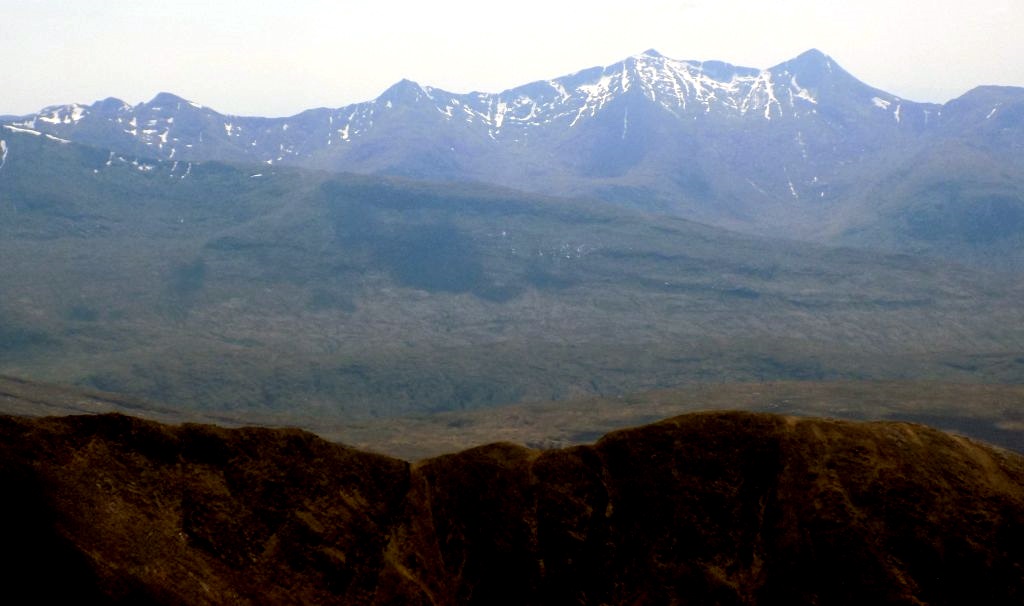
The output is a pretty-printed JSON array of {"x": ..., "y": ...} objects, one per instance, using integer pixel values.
[{"x": 711, "y": 508}]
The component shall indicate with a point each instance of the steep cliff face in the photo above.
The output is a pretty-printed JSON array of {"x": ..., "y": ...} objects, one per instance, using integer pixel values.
[{"x": 716, "y": 508}]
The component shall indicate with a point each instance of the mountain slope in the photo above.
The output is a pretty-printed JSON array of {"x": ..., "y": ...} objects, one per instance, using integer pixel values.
[
  {"x": 956, "y": 199},
  {"x": 715, "y": 508},
  {"x": 216, "y": 287}
]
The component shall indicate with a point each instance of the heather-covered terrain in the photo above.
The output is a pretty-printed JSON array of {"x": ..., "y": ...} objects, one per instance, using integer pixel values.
[
  {"x": 713, "y": 508},
  {"x": 217, "y": 287}
]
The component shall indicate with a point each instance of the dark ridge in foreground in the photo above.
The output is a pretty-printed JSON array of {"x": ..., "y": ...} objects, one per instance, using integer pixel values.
[{"x": 712, "y": 508}]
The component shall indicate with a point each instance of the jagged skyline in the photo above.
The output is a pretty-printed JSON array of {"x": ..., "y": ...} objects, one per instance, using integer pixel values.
[{"x": 276, "y": 61}]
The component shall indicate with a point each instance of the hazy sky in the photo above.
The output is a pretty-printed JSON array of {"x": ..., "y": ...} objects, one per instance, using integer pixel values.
[{"x": 277, "y": 58}]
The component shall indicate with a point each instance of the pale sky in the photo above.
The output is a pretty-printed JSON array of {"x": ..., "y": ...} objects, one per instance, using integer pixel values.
[{"x": 278, "y": 58}]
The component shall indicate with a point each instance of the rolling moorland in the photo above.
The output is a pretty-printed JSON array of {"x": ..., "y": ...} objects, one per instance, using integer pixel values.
[{"x": 358, "y": 296}]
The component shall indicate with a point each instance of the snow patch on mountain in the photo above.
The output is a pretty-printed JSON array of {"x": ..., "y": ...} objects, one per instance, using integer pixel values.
[
  {"x": 18, "y": 129},
  {"x": 66, "y": 114},
  {"x": 800, "y": 93}
]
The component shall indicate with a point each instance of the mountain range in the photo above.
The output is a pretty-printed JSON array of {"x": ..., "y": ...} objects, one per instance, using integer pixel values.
[
  {"x": 169, "y": 252},
  {"x": 802, "y": 149}
]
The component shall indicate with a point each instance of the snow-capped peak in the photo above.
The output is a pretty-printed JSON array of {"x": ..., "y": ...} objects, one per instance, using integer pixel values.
[
  {"x": 62, "y": 114},
  {"x": 171, "y": 127}
]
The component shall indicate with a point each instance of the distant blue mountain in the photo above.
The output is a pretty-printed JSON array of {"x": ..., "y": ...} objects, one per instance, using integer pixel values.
[{"x": 802, "y": 149}]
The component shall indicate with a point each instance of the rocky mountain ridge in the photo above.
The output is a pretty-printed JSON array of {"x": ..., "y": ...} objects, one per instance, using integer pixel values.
[{"x": 711, "y": 508}]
